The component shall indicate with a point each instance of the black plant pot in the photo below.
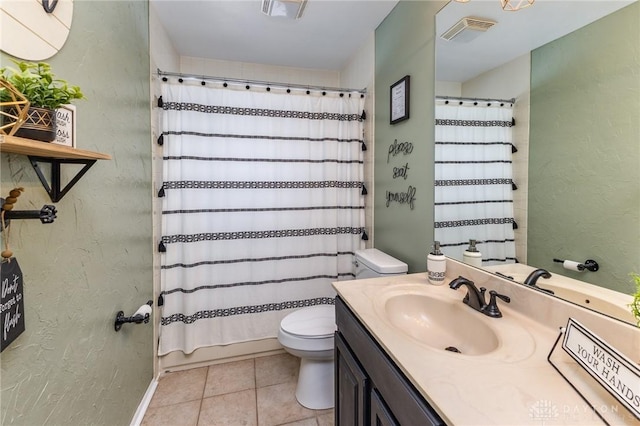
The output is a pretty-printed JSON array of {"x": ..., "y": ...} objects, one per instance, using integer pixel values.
[{"x": 40, "y": 125}]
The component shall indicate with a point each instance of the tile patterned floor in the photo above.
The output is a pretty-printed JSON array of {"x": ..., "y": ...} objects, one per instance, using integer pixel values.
[{"x": 258, "y": 392}]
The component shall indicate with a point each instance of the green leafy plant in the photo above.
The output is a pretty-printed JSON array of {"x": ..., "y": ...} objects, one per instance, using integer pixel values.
[
  {"x": 39, "y": 85},
  {"x": 635, "y": 305}
]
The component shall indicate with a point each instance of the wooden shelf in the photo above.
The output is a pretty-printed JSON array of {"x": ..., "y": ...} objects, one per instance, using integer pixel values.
[
  {"x": 16, "y": 145},
  {"x": 54, "y": 154}
]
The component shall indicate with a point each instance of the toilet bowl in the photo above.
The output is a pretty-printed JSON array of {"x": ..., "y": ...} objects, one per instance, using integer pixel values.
[{"x": 308, "y": 334}]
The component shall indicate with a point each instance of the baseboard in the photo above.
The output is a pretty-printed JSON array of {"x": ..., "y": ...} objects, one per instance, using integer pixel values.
[
  {"x": 176, "y": 361},
  {"x": 144, "y": 404}
]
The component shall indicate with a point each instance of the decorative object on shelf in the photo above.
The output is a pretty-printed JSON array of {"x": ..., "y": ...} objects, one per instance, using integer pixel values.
[
  {"x": 45, "y": 93},
  {"x": 66, "y": 126},
  {"x": 399, "y": 100},
  {"x": 40, "y": 124},
  {"x": 13, "y": 108}
]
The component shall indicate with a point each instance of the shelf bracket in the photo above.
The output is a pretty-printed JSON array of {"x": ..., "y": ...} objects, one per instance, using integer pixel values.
[{"x": 54, "y": 190}]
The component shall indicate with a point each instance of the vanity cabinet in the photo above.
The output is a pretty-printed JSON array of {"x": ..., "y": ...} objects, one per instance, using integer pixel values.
[{"x": 370, "y": 388}]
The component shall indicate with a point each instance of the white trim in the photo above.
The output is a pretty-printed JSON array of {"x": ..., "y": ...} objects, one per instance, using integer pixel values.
[
  {"x": 144, "y": 403},
  {"x": 177, "y": 360}
]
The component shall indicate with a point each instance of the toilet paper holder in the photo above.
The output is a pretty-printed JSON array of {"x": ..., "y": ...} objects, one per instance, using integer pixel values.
[
  {"x": 589, "y": 265},
  {"x": 140, "y": 316}
]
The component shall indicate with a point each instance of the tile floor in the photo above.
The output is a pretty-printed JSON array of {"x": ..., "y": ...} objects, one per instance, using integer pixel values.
[{"x": 256, "y": 392}]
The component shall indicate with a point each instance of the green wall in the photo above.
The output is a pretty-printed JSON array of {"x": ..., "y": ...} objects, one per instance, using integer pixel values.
[
  {"x": 584, "y": 167},
  {"x": 405, "y": 45},
  {"x": 70, "y": 367}
]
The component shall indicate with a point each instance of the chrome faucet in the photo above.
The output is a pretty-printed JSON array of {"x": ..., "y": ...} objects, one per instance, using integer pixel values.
[
  {"x": 474, "y": 297},
  {"x": 533, "y": 277}
]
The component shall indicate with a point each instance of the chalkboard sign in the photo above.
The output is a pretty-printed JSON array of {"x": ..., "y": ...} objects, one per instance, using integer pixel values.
[
  {"x": 66, "y": 126},
  {"x": 12, "y": 302}
]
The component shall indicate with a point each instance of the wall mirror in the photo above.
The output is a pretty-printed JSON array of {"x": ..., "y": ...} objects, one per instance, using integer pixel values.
[{"x": 574, "y": 202}]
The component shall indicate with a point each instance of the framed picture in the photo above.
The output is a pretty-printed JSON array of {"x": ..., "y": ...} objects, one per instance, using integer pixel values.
[
  {"x": 66, "y": 126},
  {"x": 399, "y": 100}
]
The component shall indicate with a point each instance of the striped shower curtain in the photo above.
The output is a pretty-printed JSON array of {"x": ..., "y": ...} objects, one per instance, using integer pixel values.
[
  {"x": 262, "y": 207},
  {"x": 473, "y": 179}
]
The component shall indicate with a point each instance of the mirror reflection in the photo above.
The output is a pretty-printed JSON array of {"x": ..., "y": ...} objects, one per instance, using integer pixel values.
[{"x": 572, "y": 67}]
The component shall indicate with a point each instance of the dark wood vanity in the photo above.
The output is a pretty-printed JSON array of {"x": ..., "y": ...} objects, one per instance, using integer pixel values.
[{"x": 370, "y": 388}]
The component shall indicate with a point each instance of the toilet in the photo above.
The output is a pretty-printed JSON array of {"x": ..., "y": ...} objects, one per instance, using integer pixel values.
[{"x": 308, "y": 334}]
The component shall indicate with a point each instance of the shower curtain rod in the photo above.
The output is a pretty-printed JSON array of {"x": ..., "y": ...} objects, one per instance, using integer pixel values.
[
  {"x": 258, "y": 82},
  {"x": 453, "y": 98}
]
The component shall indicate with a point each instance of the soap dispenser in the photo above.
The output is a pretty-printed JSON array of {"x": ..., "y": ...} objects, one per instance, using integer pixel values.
[
  {"x": 472, "y": 256},
  {"x": 436, "y": 265}
]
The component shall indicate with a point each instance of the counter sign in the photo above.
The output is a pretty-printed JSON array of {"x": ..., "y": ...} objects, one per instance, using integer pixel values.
[
  {"x": 12, "y": 303},
  {"x": 614, "y": 371}
]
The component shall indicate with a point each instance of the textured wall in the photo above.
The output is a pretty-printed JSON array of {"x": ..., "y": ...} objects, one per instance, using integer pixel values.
[
  {"x": 584, "y": 173},
  {"x": 405, "y": 45},
  {"x": 70, "y": 367}
]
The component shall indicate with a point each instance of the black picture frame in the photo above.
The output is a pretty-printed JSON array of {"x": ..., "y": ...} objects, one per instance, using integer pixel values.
[{"x": 399, "y": 100}]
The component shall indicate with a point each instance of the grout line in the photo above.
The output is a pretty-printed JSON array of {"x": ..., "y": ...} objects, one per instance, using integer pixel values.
[
  {"x": 202, "y": 396},
  {"x": 255, "y": 390}
]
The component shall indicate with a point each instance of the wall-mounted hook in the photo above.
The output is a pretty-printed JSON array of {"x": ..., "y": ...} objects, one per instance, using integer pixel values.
[
  {"x": 142, "y": 315},
  {"x": 49, "y": 6},
  {"x": 46, "y": 215}
]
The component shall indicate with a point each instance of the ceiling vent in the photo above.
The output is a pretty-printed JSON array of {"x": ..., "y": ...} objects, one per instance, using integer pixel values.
[
  {"x": 291, "y": 9},
  {"x": 467, "y": 29}
]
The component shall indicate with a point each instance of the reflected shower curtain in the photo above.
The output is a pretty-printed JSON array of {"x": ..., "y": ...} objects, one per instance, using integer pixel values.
[
  {"x": 262, "y": 207},
  {"x": 473, "y": 179}
]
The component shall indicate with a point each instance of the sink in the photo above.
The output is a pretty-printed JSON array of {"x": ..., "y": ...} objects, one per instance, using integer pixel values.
[
  {"x": 441, "y": 323},
  {"x": 590, "y": 296}
]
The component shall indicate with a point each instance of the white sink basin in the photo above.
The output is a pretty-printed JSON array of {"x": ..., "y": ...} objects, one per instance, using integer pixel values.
[
  {"x": 442, "y": 323},
  {"x": 434, "y": 318}
]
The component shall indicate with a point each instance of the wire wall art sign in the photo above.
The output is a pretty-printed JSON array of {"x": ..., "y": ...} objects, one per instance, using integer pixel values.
[{"x": 407, "y": 197}]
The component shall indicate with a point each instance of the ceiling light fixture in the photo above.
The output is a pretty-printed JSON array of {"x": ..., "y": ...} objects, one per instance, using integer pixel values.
[
  {"x": 290, "y": 9},
  {"x": 510, "y": 5},
  {"x": 515, "y": 5}
]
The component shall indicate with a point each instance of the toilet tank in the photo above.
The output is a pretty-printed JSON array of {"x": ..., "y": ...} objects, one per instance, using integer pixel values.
[{"x": 372, "y": 263}]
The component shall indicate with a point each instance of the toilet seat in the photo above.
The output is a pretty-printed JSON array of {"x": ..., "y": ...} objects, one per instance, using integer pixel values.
[{"x": 313, "y": 322}]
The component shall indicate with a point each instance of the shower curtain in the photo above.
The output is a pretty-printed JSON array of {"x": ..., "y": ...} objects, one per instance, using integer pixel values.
[
  {"x": 262, "y": 206},
  {"x": 473, "y": 179}
]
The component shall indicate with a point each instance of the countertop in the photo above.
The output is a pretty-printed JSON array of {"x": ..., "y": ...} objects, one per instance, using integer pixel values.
[{"x": 512, "y": 385}]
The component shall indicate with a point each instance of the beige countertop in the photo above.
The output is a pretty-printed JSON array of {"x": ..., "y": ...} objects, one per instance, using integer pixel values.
[
  {"x": 604, "y": 300},
  {"x": 511, "y": 385}
]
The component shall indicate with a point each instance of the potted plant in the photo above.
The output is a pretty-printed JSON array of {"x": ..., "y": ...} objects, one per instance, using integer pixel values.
[
  {"x": 45, "y": 93},
  {"x": 635, "y": 305}
]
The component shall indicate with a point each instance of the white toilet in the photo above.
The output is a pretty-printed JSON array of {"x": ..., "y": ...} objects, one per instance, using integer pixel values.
[{"x": 308, "y": 334}]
